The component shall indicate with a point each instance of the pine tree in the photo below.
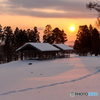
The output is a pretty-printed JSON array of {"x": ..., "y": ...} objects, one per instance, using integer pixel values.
[
  {"x": 83, "y": 41},
  {"x": 33, "y": 35},
  {"x": 47, "y": 37},
  {"x": 59, "y": 36},
  {"x": 95, "y": 39},
  {"x": 0, "y": 34},
  {"x": 8, "y": 46},
  {"x": 36, "y": 35},
  {"x": 54, "y": 36}
]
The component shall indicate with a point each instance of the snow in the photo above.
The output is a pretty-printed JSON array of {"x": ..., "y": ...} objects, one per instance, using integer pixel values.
[
  {"x": 41, "y": 46},
  {"x": 63, "y": 46},
  {"x": 50, "y": 79}
]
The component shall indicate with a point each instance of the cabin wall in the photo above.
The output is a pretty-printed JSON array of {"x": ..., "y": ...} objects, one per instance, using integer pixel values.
[{"x": 32, "y": 55}]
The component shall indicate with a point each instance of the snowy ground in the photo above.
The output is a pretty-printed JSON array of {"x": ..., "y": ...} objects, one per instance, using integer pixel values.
[{"x": 51, "y": 79}]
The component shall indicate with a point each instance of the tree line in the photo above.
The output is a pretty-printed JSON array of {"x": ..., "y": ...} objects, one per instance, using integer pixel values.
[
  {"x": 87, "y": 41},
  {"x": 88, "y": 38},
  {"x": 11, "y": 40}
]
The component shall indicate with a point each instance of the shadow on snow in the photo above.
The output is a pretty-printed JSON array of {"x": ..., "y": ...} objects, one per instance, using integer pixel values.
[{"x": 54, "y": 84}]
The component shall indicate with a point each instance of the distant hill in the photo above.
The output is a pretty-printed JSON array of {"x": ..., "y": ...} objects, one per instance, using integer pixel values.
[{"x": 70, "y": 43}]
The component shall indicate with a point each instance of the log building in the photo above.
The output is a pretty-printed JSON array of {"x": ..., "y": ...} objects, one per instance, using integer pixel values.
[{"x": 37, "y": 51}]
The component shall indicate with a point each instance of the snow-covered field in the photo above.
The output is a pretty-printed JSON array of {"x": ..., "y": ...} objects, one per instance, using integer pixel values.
[{"x": 50, "y": 79}]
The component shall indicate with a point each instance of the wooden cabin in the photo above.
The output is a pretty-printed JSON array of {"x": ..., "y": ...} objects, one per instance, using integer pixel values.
[
  {"x": 64, "y": 50},
  {"x": 37, "y": 51}
]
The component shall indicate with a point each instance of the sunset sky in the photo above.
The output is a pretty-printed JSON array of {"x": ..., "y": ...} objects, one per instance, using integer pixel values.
[{"x": 58, "y": 13}]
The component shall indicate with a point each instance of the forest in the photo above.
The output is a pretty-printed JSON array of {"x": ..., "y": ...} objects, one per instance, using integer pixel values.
[
  {"x": 11, "y": 40},
  {"x": 87, "y": 38}
]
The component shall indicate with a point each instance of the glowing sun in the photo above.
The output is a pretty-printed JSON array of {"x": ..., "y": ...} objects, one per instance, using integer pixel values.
[{"x": 72, "y": 28}]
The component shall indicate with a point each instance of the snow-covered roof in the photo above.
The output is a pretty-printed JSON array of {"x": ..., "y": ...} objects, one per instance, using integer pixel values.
[
  {"x": 40, "y": 46},
  {"x": 63, "y": 47}
]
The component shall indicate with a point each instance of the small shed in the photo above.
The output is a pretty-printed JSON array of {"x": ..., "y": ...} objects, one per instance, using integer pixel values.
[
  {"x": 32, "y": 50},
  {"x": 64, "y": 50}
]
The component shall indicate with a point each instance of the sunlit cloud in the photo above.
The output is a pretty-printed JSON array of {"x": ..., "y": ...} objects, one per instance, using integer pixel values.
[
  {"x": 3, "y": 1},
  {"x": 46, "y": 8},
  {"x": 49, "y": 10}
]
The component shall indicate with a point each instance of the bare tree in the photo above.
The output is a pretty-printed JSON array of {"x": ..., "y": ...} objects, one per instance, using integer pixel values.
[{"x": 95, "y": 6}]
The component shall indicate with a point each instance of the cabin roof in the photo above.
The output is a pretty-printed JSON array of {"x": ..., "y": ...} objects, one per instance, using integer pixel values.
[
  {"x": 40, "y": 46},
  {"x": 63, "y": 46}
]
